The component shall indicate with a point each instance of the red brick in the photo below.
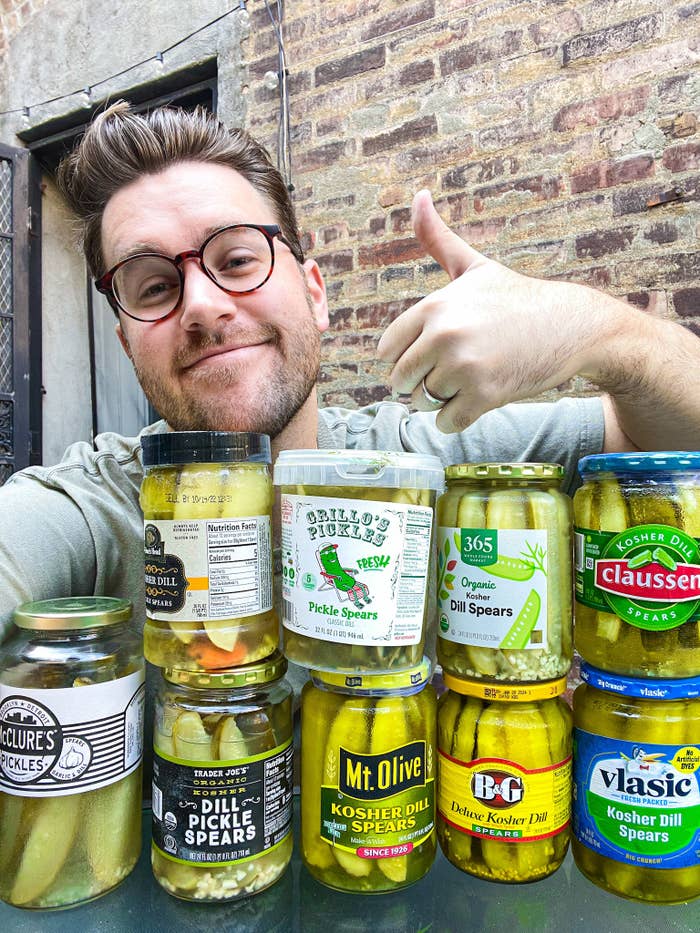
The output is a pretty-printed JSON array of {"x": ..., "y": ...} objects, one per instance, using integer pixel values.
[
  {"x": 478, "y": 53},
  {"x": 686, "y": 302},
  {"x": 333, "y": 126},
  {"x": 401, "y": 220},
  {"x": 483, "y": 171},
  {"x": 601, "y": 109},
  {"x": 663, "y": 232},
  {"x": 321, "y": 157},
  {"x": 613, "y": 39},
  {"x": 417, "y": 73},
  {"x": 333, "y": 263},
  {"x": 381, "y": 314},
  {"x": 342, "y": 318},
  {"x": 351, "y": 65},
  {"x": 545, "y": 188},
  {"x": 386, "y": 254},
  {"x": 408, "y": 132},
  {"x": 682, "y": 158},
  {"x": 603, "y": 243},
  {"x": 377, "y": 225},
  {"x": 399, "y": 19},
  {"x": 607, "y": 174}
]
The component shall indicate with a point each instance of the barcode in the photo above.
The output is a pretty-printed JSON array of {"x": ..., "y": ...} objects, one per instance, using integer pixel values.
[
  {"x": 579, "y": 541},
  {"x": 157, "y": 803},
  {"x": 287, "y": 611}
]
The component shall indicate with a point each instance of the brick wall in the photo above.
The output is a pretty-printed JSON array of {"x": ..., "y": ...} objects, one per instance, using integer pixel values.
[
  {"x": 14, "y": 14},
  {"x": 559, "y": 137}
]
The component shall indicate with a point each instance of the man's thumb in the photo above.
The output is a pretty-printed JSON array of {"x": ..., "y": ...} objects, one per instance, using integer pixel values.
[{"x": 451, "y": 251}]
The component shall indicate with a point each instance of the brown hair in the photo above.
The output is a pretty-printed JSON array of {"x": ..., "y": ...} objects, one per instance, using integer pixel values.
[{"x": 120, "y": 146}]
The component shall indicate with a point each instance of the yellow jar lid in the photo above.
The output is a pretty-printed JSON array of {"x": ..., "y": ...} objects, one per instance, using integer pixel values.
[
  {"x": 371, "y": 682},
  {"x": 259, "y": 672},
  {"x": 508, "y": 693},
  {"x": 67, "y": 613},
  {"x": 504, "y": 471}
]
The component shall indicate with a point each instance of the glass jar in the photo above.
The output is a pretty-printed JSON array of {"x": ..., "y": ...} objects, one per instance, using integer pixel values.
[
  {"x": 207, "y": 503},
  {"x": 71, "y": 746},
  {"x": 367, "y": 778},
  {"x": 356, "y": 557},
  {"x": 504, "y": 572},
  {"x": 504, "y": 778},
  {"x": 222, "y": 781},
  {"x": 637, "y": 538},
  {"x": 636, "y": 815}
]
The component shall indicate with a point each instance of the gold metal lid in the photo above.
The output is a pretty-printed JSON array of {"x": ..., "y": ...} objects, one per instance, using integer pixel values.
[
  {"x": 370, "y": 682},
  {"x": 259, "y": 672},
  {"x": 504, "y": 471},
  {"x": 72, "y": 612},
  {"x": 509, "y": 693}
]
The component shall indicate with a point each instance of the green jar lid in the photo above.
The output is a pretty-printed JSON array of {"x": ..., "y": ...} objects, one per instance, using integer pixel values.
[
  {"x": 72, "y": 612},
  {"x": 365, "y": 683},
  {"x": 260, "y": 672},
  {"x": 504, "y": 471}
]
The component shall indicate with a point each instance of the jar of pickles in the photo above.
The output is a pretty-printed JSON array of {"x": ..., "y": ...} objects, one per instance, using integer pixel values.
[
  {"x": 504, "y": 572},
  {"x": 367, "y": 778},
  {"x": 504, "y": 778},
  {"x": 222, "y": 781},
  {"x": 71, "y": 744},
  {"x": 207, "y": 503}
]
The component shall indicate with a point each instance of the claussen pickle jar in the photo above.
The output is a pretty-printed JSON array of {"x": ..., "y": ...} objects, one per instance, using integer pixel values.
[
  {"x": 222, "y": 781},
  {"x": 207, "y": 503},
  {"x": 367, "y": 778},
  {"x": 71, "y": 746},
  {"x": 636, "y": 815},
  {"x": 504, "y": 572},
  {"x": 637, "y": 554},
  {"x": 504, "y": 778}
]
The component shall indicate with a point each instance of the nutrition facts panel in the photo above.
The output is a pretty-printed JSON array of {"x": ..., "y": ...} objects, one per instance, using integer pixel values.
[{"x": 238, "y": 558}]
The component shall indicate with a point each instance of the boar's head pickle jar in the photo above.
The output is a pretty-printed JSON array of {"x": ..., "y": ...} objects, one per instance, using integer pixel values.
[
  {"x": 71, "y": 746},
  {"x": 207, "y": 503},
  {"x": 504, "y": 572},
  {"x": 367, "y": 778},
  {"x": 222, "y": 781},
  {"x": 637, "y": 560},
  {"x": 504, "y": 778},
  {"x": 636, "y": 812}
]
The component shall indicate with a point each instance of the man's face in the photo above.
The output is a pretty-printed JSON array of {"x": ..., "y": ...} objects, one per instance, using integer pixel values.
[{"x": 219, "y": 362}]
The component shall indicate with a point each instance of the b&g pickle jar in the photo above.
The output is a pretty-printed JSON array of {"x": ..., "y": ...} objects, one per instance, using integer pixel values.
[
  {"x": 504, "y": 778},
  {"x": 637, "y": 552},
  {"x": 504, "y": 572},
  {"x": 71, "y": 745},
  {"x": 222, "y": 781},
  {"x": 207, "y": 503},
  {"x": 367, "y": 778},
  {"x": 636, "y": 813}
]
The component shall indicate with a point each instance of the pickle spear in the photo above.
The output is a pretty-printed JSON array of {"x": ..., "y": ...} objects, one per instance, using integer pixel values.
[
  {"x": 111, "y": 833},
  {"x": 47, "y": 847},
  {"x": 389, "y": 731},
  {"x": 462, "y": 748},
  {"x": 318, "y": 709},
  {"x": 191, "y": 740},
  {"x": 492, "y": 741}
]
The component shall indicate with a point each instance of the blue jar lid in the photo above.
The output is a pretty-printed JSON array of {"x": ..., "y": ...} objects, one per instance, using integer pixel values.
[
  {"x": 641, "y": 462},
  {"x": 646, "y": 689}
]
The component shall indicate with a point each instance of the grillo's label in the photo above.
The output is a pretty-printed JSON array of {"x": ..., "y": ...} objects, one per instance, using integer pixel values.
[{"x": 638, "y": 804}]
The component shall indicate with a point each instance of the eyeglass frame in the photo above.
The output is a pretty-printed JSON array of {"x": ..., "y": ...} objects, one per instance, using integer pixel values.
[{"x": 104, "y": 284}]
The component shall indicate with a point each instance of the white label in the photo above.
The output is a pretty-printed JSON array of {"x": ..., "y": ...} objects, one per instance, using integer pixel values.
[
  {"x": 355, "y": 570},
  {"x": 49, "y": 748}
]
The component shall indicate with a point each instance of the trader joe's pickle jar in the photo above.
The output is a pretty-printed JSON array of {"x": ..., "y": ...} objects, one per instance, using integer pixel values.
[
  {"x": 504, "y": 778},
  {"x": 636, "y": 814},
  {"x": 71, "y": 744},
  {"x": 207, "y": 504},
  {"x": 504, "y": 572},
  {"x": 637, "y": 557},
  {"x": 367, "y": 778},
  {"x": 356, "y": 554},
  {"x": 222, "y": 781}
]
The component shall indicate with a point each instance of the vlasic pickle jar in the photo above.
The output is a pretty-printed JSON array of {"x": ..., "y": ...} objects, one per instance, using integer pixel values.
[
  {"x": 207, "y": 503},
  {"x": 356, "y": 554},
  {"x": 504, "y": 572},
  {"x": 504, "y": 778},
  {"x": 367, "y": 778},
  {"x": 636, "y": 814},
  {"x": 71, "y": 745},
  {"x": 222, "y": 781},
  {"x": 637, "y": 555}
]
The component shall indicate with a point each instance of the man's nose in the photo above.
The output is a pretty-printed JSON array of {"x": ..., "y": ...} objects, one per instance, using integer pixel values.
[{"x": 203, "y": 302}]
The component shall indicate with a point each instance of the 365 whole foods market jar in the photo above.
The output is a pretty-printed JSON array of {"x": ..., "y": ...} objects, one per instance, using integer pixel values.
[
  {"x": 504, "y": 778},
  {"x": 207, "y": 503},
  {"x": 367, "y": 778},
  {"x": 356, "y": 554},
  {"x": 222, "y": 781},
  {"x": 504, "y": 572},
  {"x": 637, "y": 537},
  {"x": 636, "y": 815},
  {"x": 71, "y": 744}
]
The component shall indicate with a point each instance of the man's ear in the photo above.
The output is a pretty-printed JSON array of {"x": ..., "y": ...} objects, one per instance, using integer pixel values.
[
  {"x": 316, "y": 289},
  {"x": 123, "y": 340}
]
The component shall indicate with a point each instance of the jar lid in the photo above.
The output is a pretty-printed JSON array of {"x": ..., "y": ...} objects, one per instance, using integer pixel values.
[
  {"x": 504, "y": 471},
  {"x": 259, "y": 672},
  {"x": 205, "y": 447},
  {"x": 508, "y": 693},
  {"x": 72, "y": 612},
  {"x": 641, "y": 462},
  {"x": 682, "y": 689},
  {"x": 367, "y": 682},
  {"x": 381, "y": 468}
]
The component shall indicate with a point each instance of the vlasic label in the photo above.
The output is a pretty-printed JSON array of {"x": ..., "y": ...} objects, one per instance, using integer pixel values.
[
  {"x": 70, "y": 740},
  {"x": 219, "y": 812},
  {"x": 498, "y": 799},
  {"x": 492, "y": 587},
  {"x": 202, "y": 569},
  {"x": 648, "y": 575},
  {"x": 379, "y": 806},
  {"x": 355, "y": 570},
  {"x": 637, "y": 804}
]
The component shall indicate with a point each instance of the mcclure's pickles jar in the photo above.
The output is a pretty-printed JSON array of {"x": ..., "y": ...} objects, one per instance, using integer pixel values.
[
  {"x": 504, "y": 778},
  {"x": 356, "y": 554},
  {"x": 504, "y": 572},
  {"x": 637, "y": 557},
  {"x": 71, "y": 744},
  {"x": 207, "y": 504},
  {"x": 367, "y": 778},
  {"x": 636, "y": 815},
  {"x": 222, "y": 781}
]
